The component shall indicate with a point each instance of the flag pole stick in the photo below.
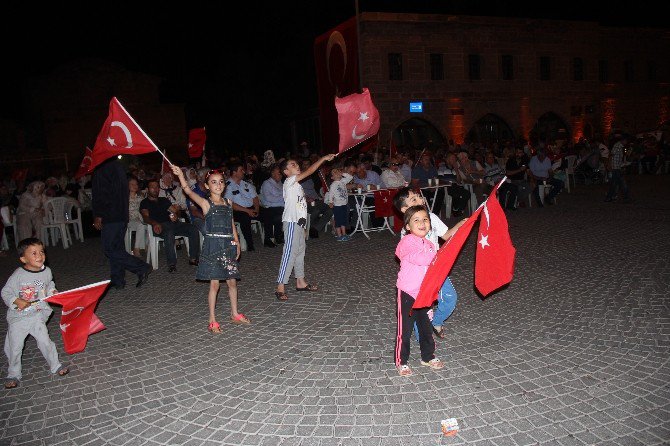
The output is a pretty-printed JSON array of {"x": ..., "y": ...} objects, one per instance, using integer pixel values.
[{"x": 419, "y": 158}]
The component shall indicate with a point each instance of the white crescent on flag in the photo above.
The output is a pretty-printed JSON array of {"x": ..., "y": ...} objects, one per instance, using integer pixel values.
[{"x": 126, "y": 132}]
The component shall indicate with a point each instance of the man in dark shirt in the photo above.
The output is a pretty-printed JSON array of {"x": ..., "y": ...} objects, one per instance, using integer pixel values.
[
  {"x": 516, "y": 167},
  {"x": 110, "y": 216},
  {"x": 161, "y": 215}
]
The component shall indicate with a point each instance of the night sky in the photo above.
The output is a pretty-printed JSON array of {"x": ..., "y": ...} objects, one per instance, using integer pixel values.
[{"x": 247, "y": 66}]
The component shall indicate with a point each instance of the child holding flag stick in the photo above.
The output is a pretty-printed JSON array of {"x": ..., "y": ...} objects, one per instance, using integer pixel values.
[
  {"x": 221, "y": 249},
  {"x": 28, "y": 313}
]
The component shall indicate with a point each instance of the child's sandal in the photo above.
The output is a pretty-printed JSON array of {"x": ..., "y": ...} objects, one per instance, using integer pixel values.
[
  {"x": 11, "y": 383},
  {"x": 214, "y": 327},
  {"x": 404, "y": 370}
]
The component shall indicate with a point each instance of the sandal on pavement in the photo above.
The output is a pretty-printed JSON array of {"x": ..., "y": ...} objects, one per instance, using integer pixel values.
[
  {"x": 240, "y": 319},
  {"x": 62, "y": 370},
  {"x": 434, "y": 364},
  {"x": 214, "y": 327},
  {"x": 11, "y": 383},
  {"x": 281, "y": 295},
  {"x": 439, "y": 331},
  {"x": 308, "y": 287},
  {"x": 404, "y": 370}
]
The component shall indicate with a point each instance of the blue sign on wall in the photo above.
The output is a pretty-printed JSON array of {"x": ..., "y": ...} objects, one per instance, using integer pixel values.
[{"x": 416, "y": 107}]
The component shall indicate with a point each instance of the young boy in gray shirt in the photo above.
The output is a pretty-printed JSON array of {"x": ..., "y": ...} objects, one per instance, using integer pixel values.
[{"x": 27, "y": 314}]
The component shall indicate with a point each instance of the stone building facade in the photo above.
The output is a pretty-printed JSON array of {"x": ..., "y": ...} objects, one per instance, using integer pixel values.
[{"x": 483, "y": 77}]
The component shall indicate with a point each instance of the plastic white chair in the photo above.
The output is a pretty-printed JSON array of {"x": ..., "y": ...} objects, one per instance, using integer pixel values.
[
  {"x": 257, "y": 226},
  {"x": 153, "y": 246},
  {"x": 70, "y": 206},
  {"x": 8, "y": 219},
  {"x": 243, "y": 241},
  {"x": 54, "y": 219},
  {"x": 128, "y": 239}
]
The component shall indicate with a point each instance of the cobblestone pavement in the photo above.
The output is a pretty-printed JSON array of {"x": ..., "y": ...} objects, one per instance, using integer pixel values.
[{"x": 574, "y": 351}]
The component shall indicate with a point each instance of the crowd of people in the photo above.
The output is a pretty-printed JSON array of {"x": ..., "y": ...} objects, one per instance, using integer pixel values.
[{"x": 291, "y": 198}]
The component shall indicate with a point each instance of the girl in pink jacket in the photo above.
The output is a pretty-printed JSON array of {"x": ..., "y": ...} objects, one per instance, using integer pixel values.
[{"x": 415, "y": 252}]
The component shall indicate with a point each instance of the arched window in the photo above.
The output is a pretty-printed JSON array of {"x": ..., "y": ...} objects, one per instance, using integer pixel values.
[
  {"x": 490, "y": 129},
  {"x": 417, "y": 133},
  {"x": 549, "y": 127}
]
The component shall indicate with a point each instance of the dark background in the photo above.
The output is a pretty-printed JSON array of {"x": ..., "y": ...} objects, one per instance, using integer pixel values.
[{"x": 241, "y": 66}]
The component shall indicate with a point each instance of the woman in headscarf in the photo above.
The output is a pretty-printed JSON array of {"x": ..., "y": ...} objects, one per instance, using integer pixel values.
[{"x": 30, "y": 213}]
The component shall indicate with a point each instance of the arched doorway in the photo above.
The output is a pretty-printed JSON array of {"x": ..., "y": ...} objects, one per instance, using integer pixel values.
[
  {"x": 549, "y": 127},
  {"x": 490, "y": 129},
  {"x": 417, "y": 133}
]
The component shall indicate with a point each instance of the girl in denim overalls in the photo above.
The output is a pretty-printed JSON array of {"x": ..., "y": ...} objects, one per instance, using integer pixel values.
[{"x": 221, "y": 248}]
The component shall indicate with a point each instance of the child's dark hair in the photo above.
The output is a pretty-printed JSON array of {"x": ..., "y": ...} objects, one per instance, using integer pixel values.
[
  {"x": 26, "y": 243},
  {"x": 284, "y": 164},
  {"x": 400, "y": 197},
  {"x": 409, "y": 213}
]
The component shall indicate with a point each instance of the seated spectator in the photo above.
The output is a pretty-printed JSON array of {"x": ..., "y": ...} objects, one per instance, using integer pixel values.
[
  {"x": 319, "y": 212},
  {"x": 392, "y": 177},
  {"x": 541, "y": 172},
  {"x": 365, "y": 177},
  {"x": 194, "y": 211},
  {"x": 459, "y": 195},
  {"x": 423, "y": 171},
  {"x": 30, "y": 212},
  {"x": 516, "y": 167},
  {"x": 52, "y": 188},
  {"x": 507, "y": 191},
  {"x": 246, "y": 205},
  {"x": 272, "y": 208},
  {"x": 405, "y": 167},
  {"x": 172, "y": 191},
  {"x": 135, "y": 220},
  {"x": 161, "y": 215}
]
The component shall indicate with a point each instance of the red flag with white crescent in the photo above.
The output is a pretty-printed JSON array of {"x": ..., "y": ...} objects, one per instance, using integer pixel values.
[
  {"x": 358, "y": 119},
  {"x": 85, "y": 166},
  {"x": 120, "y": 135},
  {"x": 196, "y": 142},
  {"x": 494, "y": 261},
  {"x": 78, "y": 319}
]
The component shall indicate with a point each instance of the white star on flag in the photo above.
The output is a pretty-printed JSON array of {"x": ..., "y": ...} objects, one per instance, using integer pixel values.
[
  {"x": 110, "y": 140},
  {"x": 190, "y": 145},
  {"x": 484, "y": 241},
  {"x": 385, "y": 200},
  {"x": 363, "y": 116}
]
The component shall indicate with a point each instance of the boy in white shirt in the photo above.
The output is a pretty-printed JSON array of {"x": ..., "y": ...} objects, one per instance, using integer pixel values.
[
  {"x": 447, "y": 296},
  {"x": 338, "y": 200},
  {"x": 294, "y": 221}
]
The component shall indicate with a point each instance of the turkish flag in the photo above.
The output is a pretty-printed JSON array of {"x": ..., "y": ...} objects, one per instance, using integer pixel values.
[
  {"x": 384, "y": 202},
  {"x": 77, "y": 319},
  {"x": 439, "y": 269},
  {"x": 120, "y": 135},
  {"x": 196, "y": 142},
  {"x": 85, "y": 166},
  {"x": 358, "y": 119},
  {"x": 494, "y": 262}
]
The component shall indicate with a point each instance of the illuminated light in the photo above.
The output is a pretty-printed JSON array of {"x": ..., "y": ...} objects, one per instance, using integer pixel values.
[
  {"x": 456, "y": 121},
  {"x": 608, "y": 115},
  {"x": 120, "y": 156}
]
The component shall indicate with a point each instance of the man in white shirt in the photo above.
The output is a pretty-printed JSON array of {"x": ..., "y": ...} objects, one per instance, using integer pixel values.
[
  {"x": 391, "y": 177},
  {"x": 539, "y": 171}
]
